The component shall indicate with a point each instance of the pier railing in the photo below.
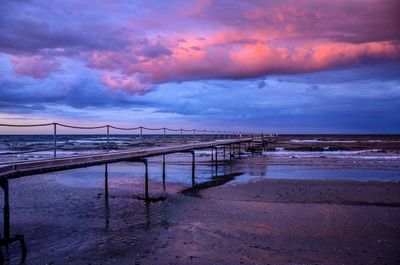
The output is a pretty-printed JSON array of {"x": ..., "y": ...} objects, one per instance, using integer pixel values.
[{"x": 135, "y": 137}]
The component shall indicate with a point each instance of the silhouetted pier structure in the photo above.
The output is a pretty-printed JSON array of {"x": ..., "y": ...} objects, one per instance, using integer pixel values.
[{"x": 214, "y": 140}]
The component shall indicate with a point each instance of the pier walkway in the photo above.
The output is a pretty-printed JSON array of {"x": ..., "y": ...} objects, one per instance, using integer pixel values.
[
  {"x": 234, "y": 142},
  {"x": 20, "y": 169}
]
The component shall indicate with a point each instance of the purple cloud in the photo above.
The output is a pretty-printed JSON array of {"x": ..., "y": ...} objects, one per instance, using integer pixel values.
[
  {"x": 35, "y": 66},
  {"x": 134, "y": 46}
]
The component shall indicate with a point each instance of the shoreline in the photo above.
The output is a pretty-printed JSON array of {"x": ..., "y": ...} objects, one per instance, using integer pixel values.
[
  {"x": 263, "y": 222},
  {"x": 256, "y": 220}
]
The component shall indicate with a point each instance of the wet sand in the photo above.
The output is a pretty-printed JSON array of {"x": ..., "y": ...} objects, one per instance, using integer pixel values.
[
  {"x": 243, "y": 216},
  {"x": 285, "y": 222},
  {"x": 261, "y": 222}
]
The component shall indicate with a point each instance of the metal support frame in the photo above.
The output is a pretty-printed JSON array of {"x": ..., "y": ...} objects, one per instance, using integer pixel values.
[
  {"x": 182, "y": 135},
  {"x": 262, "y": 142},
  {"x": 216, "y": 154},
  {"x": 193, "y": 166},
  {"x": 146, "y": 180},
  {"x": 163, "y": 172},
  {"x": 146, "y": 177},
  {"x": 106, "y": 181},
  {"x": 216, "y": 159},
  {"x": 7, "y": 240},
  {"x": 55, "y": 139},
  {"x": 108, "y": 137},
  {"x": 193, "y": 169},
  {"x": 141, "y": 136}
]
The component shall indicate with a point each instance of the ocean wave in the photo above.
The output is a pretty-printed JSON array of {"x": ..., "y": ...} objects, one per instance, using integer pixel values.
[
  {"x": 322, "y": 141},
  {"x": 340, "y": 141},
  {"x": 364, "y": 154}
]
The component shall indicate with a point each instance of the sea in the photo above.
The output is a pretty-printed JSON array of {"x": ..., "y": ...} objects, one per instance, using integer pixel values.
[
  {"x": 359, "y": 157},
  {"x": 64, "y": 215}
]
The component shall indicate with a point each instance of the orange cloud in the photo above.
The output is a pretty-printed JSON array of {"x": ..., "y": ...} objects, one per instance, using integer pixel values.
[{"x": 233, "y": 60}]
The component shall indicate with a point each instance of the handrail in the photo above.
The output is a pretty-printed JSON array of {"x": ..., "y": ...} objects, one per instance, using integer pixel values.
[
  {"x": 81, "y": 127},
  {"x": 116, "y": 128},
  {"x": 215, "y": 134},
  {"x": 153, "y": 129},
  {"x": 25, "y": 125},
  {"x": 124, "y": 129}
]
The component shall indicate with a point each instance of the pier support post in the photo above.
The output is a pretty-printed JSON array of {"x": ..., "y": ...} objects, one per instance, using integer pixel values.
[
  {"x": 106, "y": 181},
  {"x": 193, "y": 169},
  {"x": 262, "y": 143},
  {"x": 146, "y": 180},
  {"x": 240, "y": 150},
  {"x": 108, "y": 137},
  {"x": 106, "y": 206},
  {"x": 141, "y": 136},
  {"x": 212, "y": 154},
  {"x": 216, "y": 160},
  {"x": 230, "y": 152},
  {"x": 146, "y": 177},
  {"x": 6, "y": 210},
  {"x": 163, "y": 172},
  {"x": 54, "y": 140},
  {"x": 182, "y": 141},
  {"x": 6, "y": 222}
]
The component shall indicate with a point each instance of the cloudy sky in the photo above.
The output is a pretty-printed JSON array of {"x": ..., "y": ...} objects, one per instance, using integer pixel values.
[{"x": 279, "y": 66}]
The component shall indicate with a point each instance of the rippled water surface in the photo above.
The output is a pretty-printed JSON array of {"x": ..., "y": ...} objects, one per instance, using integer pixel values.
[{"x": 65, "y": 217}]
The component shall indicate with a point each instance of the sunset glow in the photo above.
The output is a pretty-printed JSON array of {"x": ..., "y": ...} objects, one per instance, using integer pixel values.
[{"x": 284, "y": 64}]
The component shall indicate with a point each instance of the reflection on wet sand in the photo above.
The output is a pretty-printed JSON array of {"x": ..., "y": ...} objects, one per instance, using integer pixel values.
[{"x": 256, "y": 222}]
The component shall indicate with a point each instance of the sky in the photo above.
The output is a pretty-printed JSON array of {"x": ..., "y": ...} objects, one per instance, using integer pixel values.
[{"x": 282, "y": 66}]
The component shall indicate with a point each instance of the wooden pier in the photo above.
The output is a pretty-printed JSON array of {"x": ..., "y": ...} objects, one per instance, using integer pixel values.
[
  {"x": 21, "y": 169},
  {"x": 190, "y": 140}
]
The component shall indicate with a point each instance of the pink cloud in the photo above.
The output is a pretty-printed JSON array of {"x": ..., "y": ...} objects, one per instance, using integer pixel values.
[
  {"x": 137, "y": 46},
  {"x": 245, "y": 61},
  {"x": 35, "y": 66},
  {"x": 128, "y": 84}
]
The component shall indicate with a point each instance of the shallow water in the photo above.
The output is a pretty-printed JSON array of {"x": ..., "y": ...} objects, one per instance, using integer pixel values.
[
  {"x": 64, "y": 215},
  {"x": 122, "y": 174},
  {"x": 318, "y": 172}
]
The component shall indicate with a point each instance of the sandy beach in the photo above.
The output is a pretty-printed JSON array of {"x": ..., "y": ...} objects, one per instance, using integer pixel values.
[
  {"x": 281, "y": 207},
  {"x": 284, "y": 222},
  {"x": 261, "y": 132},
  {"x": 263, "y": 221}
]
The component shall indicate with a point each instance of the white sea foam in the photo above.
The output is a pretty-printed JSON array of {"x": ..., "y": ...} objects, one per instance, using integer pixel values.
[
  {"x": 339, "y": 141},
  {"x": 362, "y": 154},
  {"x": 321, "y": 141}
]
